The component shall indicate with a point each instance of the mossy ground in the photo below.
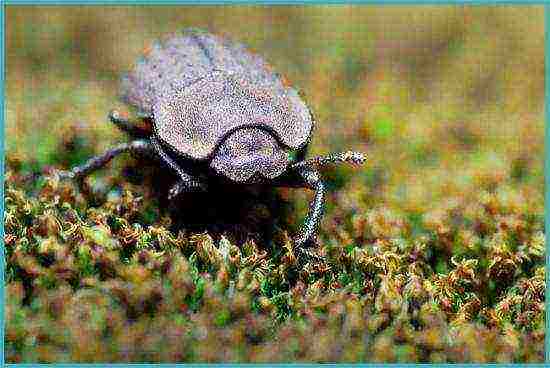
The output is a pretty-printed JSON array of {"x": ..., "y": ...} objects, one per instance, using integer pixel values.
[{"x": 435, "y": 249}]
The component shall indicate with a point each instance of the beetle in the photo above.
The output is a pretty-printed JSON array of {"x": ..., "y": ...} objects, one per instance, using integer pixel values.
[{"x": 209, "y": 109}]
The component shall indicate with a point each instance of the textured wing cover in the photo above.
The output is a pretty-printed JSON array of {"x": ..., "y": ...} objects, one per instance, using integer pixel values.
[
  {"x": 181, "y": 83},
  {"x": 172, "y": 65}
]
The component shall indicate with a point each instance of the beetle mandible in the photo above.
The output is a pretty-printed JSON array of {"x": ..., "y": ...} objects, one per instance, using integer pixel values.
[{"x": 211, "y": 109}]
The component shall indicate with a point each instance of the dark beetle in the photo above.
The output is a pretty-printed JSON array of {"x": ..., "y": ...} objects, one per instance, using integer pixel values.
[{"x": 210, "y": 109}]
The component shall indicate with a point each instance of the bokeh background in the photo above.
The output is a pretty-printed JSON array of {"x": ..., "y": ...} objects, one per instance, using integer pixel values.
[
  {"x": 425, "y": 91},
  {"x": 447, "y": 102}
]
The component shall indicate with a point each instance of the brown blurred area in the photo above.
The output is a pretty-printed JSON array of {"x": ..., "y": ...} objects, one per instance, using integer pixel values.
[
  {"x": 441, "y": 93},
  {"x": 435, "y": 246}
]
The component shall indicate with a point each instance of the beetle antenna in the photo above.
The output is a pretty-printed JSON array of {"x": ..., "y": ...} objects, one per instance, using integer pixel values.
[{"x": 351, "y": 157}]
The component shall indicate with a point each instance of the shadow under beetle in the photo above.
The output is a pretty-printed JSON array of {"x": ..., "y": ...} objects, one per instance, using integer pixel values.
[{"x": 212, "y": 110}]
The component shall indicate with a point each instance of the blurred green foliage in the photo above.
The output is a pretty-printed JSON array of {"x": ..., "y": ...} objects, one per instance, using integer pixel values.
[{"x": 435, "y": 248}]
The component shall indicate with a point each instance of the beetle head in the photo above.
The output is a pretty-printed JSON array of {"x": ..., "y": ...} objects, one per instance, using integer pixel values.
[{"x": 250, "y": 155}]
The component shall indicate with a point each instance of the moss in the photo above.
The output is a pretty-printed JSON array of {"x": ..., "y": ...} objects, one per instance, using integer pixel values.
[{"x": 384, "y": 297}]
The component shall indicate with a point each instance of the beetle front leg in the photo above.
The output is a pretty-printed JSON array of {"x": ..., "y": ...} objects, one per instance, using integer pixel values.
[
  {"x": 312, "y": 180},
  {"x": 351, "y": 157},
  {"x": 308, "y": 176},
  {"x": 186, "y": 182},
  {"x": 97, "y": 162}
]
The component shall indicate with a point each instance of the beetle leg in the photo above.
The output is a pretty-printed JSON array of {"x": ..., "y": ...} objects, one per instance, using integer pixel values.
[
  {"x": 312, "y": 180},
  {"x": 186, "y": 185},
  {"x": 186, "y": 182},
  {"x": 127, "y": 126},
  {"x": 97, "y": 162},
  {"x": 351, "y": 157}
]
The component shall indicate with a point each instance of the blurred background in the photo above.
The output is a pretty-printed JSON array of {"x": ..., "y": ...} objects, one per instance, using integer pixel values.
[
  {"x": 443, "y": 99},
  {"x": 448, "y": 104}
]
